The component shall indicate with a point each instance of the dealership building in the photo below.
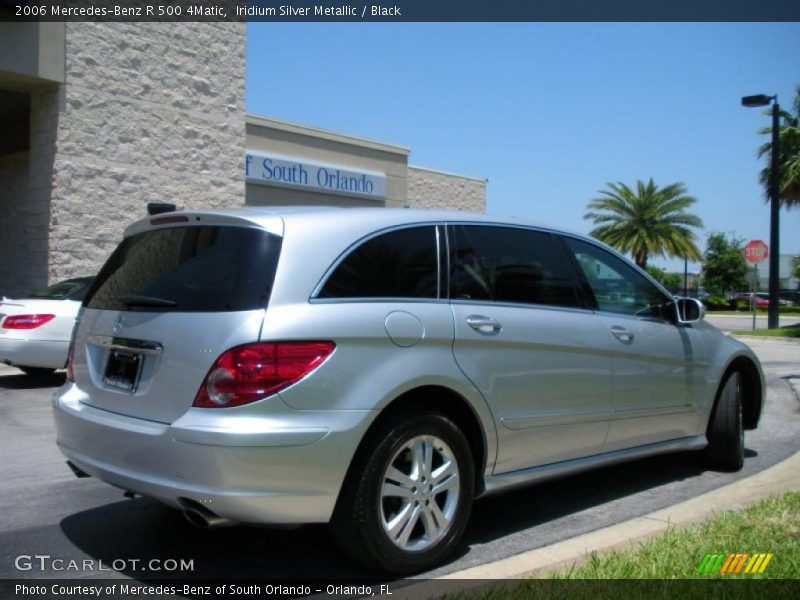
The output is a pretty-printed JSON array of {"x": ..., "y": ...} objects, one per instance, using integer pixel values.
[{"x": 99, "y": 119}]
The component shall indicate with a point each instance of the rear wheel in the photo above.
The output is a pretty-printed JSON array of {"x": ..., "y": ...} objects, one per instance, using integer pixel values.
[
  {"x": 726, "y": 431},
  {"x": 406, "y": 504},
  {"x": 37, "y": 371}
]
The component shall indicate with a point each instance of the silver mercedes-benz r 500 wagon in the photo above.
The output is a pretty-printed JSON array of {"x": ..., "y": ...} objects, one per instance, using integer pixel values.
[{"x": 379, "y": 369}]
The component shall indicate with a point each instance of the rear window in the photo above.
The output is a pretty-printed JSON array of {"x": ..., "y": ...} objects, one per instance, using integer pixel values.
[{"x": 189, "y": 269}]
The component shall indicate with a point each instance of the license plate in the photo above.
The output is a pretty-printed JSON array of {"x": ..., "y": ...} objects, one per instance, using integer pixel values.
[{"x": 122, "y": 370}]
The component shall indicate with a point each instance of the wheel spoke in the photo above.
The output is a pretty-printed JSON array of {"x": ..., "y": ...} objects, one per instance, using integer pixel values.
[
  {"x": 405, "y": 533},
  {"x": 445, "y": 470},
  {"x": 418, "y": 458},
  {"x": 432, "y": 529},
  {"x": 395, "y": 474},
  {"x": 437, "y": 514},
  {"x": 449, "y": 484},
  {"x": 401, "y": 519},
  {"x": 391, "y": 490},
  {"x": 428, "y": 459}
]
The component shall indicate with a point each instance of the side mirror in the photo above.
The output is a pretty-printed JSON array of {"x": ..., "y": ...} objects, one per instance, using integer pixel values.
[{"x": 690, "y": 310}]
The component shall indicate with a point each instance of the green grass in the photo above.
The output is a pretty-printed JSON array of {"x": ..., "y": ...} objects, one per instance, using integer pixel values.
[
  {"x": 789, "y": 331},
  {"x": 665, "y": 567},
  {"x": 771, "y": 526}
]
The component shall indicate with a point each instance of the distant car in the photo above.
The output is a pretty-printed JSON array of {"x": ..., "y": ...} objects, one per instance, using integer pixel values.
[
  {"x": 762, "y": 299},
  {"x": 35, "y": 330}
]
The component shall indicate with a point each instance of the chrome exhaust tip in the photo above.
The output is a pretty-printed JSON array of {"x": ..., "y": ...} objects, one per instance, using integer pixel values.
[{"x": 201, "y": 517}]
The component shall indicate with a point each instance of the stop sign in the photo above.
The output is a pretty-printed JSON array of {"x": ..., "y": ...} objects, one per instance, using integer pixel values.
[{"x": 756, "y": 251}]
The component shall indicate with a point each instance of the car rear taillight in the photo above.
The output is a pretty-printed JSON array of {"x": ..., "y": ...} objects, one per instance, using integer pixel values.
[
  {"x": 70, "y": 354},
  {"x": 248, "y": 373},
  {"x": 26, "y": 321}
]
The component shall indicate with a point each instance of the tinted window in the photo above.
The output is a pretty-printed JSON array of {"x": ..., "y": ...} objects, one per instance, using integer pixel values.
[
  {"x": 617, "y": 287},
  {"x": 504, "y": 264},
  {"x": 398, "y": 264},
  {"x": 189, "y": 269}
]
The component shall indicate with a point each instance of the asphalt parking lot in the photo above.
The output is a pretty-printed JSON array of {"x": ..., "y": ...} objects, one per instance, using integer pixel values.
[{"x": 46, "y": 511}]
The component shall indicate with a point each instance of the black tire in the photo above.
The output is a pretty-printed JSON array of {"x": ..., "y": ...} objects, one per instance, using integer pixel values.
[
  {"x": 37, "y": 371},
  {"x": 725, "y": 448},
  {"x": 364, "y": 512}
]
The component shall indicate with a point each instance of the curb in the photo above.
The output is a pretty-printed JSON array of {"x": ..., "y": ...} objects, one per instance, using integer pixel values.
[
  {"x": 764, "y": 338},
  {"x": 776, "y": 479}
]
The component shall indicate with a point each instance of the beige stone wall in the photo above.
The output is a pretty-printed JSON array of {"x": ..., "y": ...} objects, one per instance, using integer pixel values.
[
  {"x": 440, "y": 190},
  {"x": 149, "y": 112}
]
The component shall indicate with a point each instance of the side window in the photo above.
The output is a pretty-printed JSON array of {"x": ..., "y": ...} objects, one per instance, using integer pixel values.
[
  {"x": 617, "y": 287},
  {"x": 398, "y": 264},
  {"x": 505, "y": 264}
]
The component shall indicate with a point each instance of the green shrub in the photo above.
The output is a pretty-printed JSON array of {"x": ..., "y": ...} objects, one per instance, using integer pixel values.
[
  {"x": 740, "y": 304},
  {"x": 717, "y": 303}
]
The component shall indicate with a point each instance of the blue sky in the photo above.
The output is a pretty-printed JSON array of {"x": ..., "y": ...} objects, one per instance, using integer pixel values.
[{"x": 548, "y": 113}]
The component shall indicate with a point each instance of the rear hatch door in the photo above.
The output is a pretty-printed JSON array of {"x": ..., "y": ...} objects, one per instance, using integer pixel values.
[{"x": 167, "y": 303}]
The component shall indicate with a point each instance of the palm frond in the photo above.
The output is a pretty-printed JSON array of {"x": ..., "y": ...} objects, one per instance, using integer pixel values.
[{"x": 645, "y": 220}]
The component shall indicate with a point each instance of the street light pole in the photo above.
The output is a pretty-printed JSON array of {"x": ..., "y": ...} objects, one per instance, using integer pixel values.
[
  {"x": 685, "y": 277},
  {"x": 774, "y": 199},
  {"x": 774, "y": 219}
]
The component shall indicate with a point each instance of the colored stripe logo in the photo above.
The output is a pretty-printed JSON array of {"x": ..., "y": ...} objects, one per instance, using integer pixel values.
[{"x": 734, "y": 563}]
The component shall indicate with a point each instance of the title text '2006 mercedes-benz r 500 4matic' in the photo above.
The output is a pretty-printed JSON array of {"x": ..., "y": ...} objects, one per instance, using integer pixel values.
[{"x": 379, "y": 369}]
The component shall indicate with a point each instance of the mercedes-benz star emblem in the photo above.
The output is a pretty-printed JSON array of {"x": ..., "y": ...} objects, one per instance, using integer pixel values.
[{"x": 119, "y": 325}]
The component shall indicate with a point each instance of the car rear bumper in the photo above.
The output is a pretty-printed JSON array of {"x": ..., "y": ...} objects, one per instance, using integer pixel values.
[
  {"x": 286, "y": 469},
  {"x": 33, "y": 353}
]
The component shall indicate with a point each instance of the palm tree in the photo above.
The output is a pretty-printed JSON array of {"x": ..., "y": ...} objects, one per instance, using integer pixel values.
[
  {"x": 645, "y": 222},
  {"x": 788, "y": 156}
]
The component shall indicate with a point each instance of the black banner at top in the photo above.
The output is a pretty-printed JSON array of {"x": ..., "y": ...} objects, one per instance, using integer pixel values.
[{"x": 400, "y": 10}]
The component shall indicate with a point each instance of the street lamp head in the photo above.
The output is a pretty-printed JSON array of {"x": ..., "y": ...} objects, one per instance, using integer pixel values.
[{"x": 757, "y": 100}]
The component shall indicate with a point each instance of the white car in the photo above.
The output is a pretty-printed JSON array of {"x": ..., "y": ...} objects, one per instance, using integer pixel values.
[{"x": 35, "y": 331}]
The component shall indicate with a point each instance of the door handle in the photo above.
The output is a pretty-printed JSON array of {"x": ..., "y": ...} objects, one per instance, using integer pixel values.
[
  {"x": 622, "y": 334},
  {"x": 483, "y": 324}
]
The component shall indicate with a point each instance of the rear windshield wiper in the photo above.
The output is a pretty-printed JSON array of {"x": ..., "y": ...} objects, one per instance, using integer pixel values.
[{"x": 142, "y": 300}]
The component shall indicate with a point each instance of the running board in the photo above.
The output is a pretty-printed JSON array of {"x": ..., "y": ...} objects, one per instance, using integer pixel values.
[{"x": 505, "y": 481}]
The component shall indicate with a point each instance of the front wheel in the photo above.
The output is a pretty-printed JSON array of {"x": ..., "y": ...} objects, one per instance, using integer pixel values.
[
  {"x": 406, "y": 504},
  {"x": 726, "y": 431}
]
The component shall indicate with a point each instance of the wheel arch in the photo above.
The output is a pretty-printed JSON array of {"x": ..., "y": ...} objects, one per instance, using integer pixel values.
[
  {"x": 442, "y": 400},
  {"x": 752, "y": 390}
]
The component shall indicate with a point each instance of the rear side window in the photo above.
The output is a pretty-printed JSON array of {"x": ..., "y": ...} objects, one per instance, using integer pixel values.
[
  {"x": 398, "y": 264},
  {"x": 505, "y": 264},
  {"x": 189, "y": 269}
]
